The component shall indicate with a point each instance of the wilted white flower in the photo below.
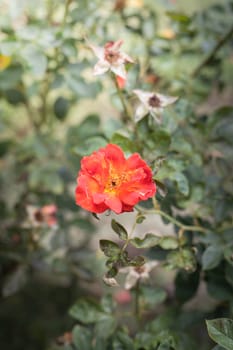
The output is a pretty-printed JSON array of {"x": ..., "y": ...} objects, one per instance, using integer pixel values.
[
  {"x": 40, "y": 216},
  {"x": 152, "y": 103},
  {"x": 135, "y": 273},
  {"x": 111, "y": 59}
]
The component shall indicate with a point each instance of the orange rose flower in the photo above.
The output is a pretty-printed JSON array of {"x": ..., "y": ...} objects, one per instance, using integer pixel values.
[{"x": 107, "y": 180}]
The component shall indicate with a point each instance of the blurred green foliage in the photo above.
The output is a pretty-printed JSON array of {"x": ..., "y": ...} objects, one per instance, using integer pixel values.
[{"x": 179, "y": 49}]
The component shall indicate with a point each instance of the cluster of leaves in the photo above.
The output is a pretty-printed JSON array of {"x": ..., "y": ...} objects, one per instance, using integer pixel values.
[{"x": 189, "y": 153}]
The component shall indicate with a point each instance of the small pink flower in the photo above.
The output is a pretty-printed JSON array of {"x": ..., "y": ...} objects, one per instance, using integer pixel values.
[
  {"x": 137, "y": 273},
  {"x": 152, "y": 103},
  {"x": 111, "y": 59}
]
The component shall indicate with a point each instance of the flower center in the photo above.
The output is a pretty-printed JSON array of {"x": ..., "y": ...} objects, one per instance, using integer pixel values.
[
  {"x": 111, "y": 56},
  {"x": 154, "y": 101},
  {"x": 140, "y": 269},
  {"x": 115, "y": 180},
  {"x": 113, "y": 183},
  {"x": 38, "y": 216}
]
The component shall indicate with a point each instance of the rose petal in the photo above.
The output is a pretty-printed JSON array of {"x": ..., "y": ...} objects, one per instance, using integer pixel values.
[
  {"x": 131, "y": 279},
  {"x": 140, "y": 113},
  {"x": 98, "y": 51},
  {"x": 114, "y": 203},
  {"x": 101, "y": 67},
  {"x": 120, "y": 82},
  {"x": 166, "y": 100},
  {"x": 143, "y": 96},
  {"x": 119, "y": 70}
]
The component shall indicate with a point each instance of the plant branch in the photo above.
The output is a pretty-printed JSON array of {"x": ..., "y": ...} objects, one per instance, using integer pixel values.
[
  {"x": 123, "y": 102},
  {"x": 211, "y": 55},
  {"x": 66, "y": 11},
  {"x": 130, "y": 235},
  {"x": 172, "y": 220},
  {"x": 137, "y": 293}
]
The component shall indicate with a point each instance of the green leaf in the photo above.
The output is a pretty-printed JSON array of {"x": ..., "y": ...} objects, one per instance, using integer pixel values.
[
  {"x": 184, "y": 259},
  {"x": 182, "y": 183},
  {"x": 229, "y": 273},
  {"x": 86, "y": 311},
  {"x": 137, "y": 261},
  {"x": 10, "y": 77},
  {"x": 46, "y": 180},
  {"x": 80, "y": 87},
  {"x": 90, "y": 145},
  {"x": 178, "y": 16},
  {"x": 109, "y": 248},
  {"x": 152, "y": 296},
  {"x": 14, "y": 96},
  {"x": 158, "y": 142},
  {"x": 119, "y": 229},
  {"x": 61, "y": 107},
  {"x": 108, "y": 304},
  {"x": 221, "y": 331},
  {"x": 5, "y": 147},
  {"x": 140, "y": 219},
  {"x": 186, "y": 285},
  {"x": 124, "y": 142},
  {"x": 112, "y": 272},
  {"x": 82, "y": 338},
  {"x": 123, "y": 342},
  {"x": 168, "y": 242},
  {"x": 87, "y": 128},
  {"x": 110, "y": 126},
  {"x": 35, "y": 59},
  {"x": 106, "y": 327},
  {"x": 161, "y": 188},
  {"x": 150, "y": 240},
  {"x": 212, "y": 257},
  {"x": 217, "y": 285}
]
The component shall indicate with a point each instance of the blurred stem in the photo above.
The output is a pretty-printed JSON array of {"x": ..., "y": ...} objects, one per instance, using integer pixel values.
[
  {"x": 50, "y": 7},
  {"x": 122, "y": 99},
  {"x": 137, "y": 305},
  {"x": 31, "y": 116},
  {"x": 44, "y": 95},
  {"x": 211, "y": 55},
  {"x": 130, "y": 235},
  {"x": 66, "y": 11},
  {"x": 31, "y": 112},
  {"x": 171, "y": 219}
]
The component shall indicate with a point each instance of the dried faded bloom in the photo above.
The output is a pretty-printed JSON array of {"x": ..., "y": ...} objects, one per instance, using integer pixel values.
[
  {"x": 138, "y": 273},
  {"x": 45, "y": 215},
  {"x": 107, "y": 180},
  {"x": 111, "y": 58},
  {"x": 152, "y": 103}
]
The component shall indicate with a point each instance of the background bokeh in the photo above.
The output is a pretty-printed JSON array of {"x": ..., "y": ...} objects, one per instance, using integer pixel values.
[{"x": 53, "y": 111}]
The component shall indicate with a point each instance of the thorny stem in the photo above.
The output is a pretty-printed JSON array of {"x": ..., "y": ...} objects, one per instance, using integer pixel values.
[
  {"x": 171, "y": 219},
  {"x": 211, "y": 55}
]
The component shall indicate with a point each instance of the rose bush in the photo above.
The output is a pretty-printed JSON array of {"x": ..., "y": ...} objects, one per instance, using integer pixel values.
[{"x": 136, "y": 149}]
